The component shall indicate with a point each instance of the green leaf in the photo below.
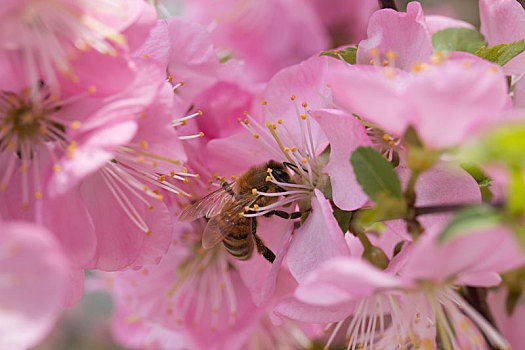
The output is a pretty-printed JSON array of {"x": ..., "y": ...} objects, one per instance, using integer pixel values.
[
  {"x": 349, "y": 54},
  {"x": 502, "y": 53},
  {"x": 343, "y": 218},
  {"x": 471, "y": 218},
  {"x": 375, "y": 174},
  {"x": 503, "y": 144},
  {"x": 458, "y": 39},
  {"x": 484, "y": 182}
]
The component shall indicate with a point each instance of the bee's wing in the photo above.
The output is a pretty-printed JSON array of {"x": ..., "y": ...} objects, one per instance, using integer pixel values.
[
  {"x": 216, "y": 230},
  {"x": 220, "y": 226},
  {"x": 209, "y": 206}
]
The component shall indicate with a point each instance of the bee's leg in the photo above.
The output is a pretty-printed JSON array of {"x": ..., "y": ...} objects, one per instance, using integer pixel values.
[
  {"x": 284, "y": 215},
  {"x": 261, "y": 248}
]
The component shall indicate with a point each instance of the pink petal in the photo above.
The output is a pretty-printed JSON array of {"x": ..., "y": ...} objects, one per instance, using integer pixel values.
[
  {"x": 316, "y": 241},
  {"x": 120, "y": 242},
  {"x": 345, "y": 134},
  {"x": 445, "y": 96},
  {"x": 495, "y": 251},
  {"x": 510, "y": 326},
  {"x": 305, "y": 312},
  {"x": 341, "y": 280},
  {"x": 405, "y": 34},
  {"x": 358, "y": 88},
  {"x": 34, "y": 273},
  {"x": 257, "y": 273}
]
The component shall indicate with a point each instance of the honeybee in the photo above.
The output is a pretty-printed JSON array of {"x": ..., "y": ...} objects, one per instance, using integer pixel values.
[{"x": 226, "y": 208}]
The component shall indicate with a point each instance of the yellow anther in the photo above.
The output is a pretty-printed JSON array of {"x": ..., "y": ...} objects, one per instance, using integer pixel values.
[
  {"x": 246, "y": 121},
  {"x": 268, "y": 124},
  {"x": 269, "y": 170},
  {"x": 161, "y": 178},
  {"x": 185, "y": 170},
  {"x": 435, "y": 60},
  {"x": 493, "y": 69},
  {"x": 181, "y": 82},
  {"x": 256, "y": 206},
  {"x": 76, "y": 125},
  {"x": 201, "y": 133},
  {"x": 245, "y": 113},
  {"x": 255, "y": 136},
  {"x": 160, "y": 197},
  {"x": 386, "y": 137},
  {"x": 154, "y": 164},
  {"x": 280, "y": 121},
  {"x": 150, "y": 207},
  {"x": 140, "y": 159},
  {"x": 186, "y": 179},
  {"x": 223, "y": 178},
  {"x": 146, "y": 55},
  {"x": 268, "y": 178},
  {"x": 215, "y": 176},
  {"x": 304, "y": 160},
  {"x": 391, "y": 143},
  {"x": 24, "y": 168},
  {"x": 385, "y": 63},
  {"x": 170, "y": 78},
  {"x": 199, "y": 112},
  {"x": 274, "y": 126},
  {"x": 254, "y": 191},
  {"x": 142, "y": 115},
  {"x": 241, "y": 214},
  {"x": 38, "y": 194},
  {"x": 180, "y": 193},
  {"x": 172, "y": 174},
  {"x": 391, "y": 55},
  {"x": 234, "y": 177},
  {"x": 418, "y": 67},
  {"x": 294, "y": 149},
  {"x": 373, "y": 52},
  {"x": 143, "y": 144},
  {"x": 372, "y": 62},
  {"x": 148, "y": 233},
  {"x": 56, "y": 168},
  {"x": 145, "y": 188},
  {"x": 264, "y": 102},
  {"x": 247, "y": 208},
  {"x": 292, "y": 97},
  {"x": 92, "y": 89},
  {"x": 286, "y": 150},
  {"x": 304, "y": 104},
  {"x": 239, "y": 120},
  {"x": 303, "y": 117}
]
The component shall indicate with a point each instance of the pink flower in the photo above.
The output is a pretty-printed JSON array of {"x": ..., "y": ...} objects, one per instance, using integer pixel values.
[
  {"x": 34, "y": 273},
  {"x": 192, "y": 291},
  {"x": 53, "y": 37},
  {"x": 437, "y": 100},
  {"x": 344, "y": 287},
  {"x": 268, "y": 36}
]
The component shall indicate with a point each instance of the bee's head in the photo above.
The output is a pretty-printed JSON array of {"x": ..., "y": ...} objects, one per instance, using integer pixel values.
[{"x": 279, "y": 171}]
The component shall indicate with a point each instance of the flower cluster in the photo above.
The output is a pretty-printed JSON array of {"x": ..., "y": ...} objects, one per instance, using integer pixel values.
[{"x": 276, "y": 174}]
